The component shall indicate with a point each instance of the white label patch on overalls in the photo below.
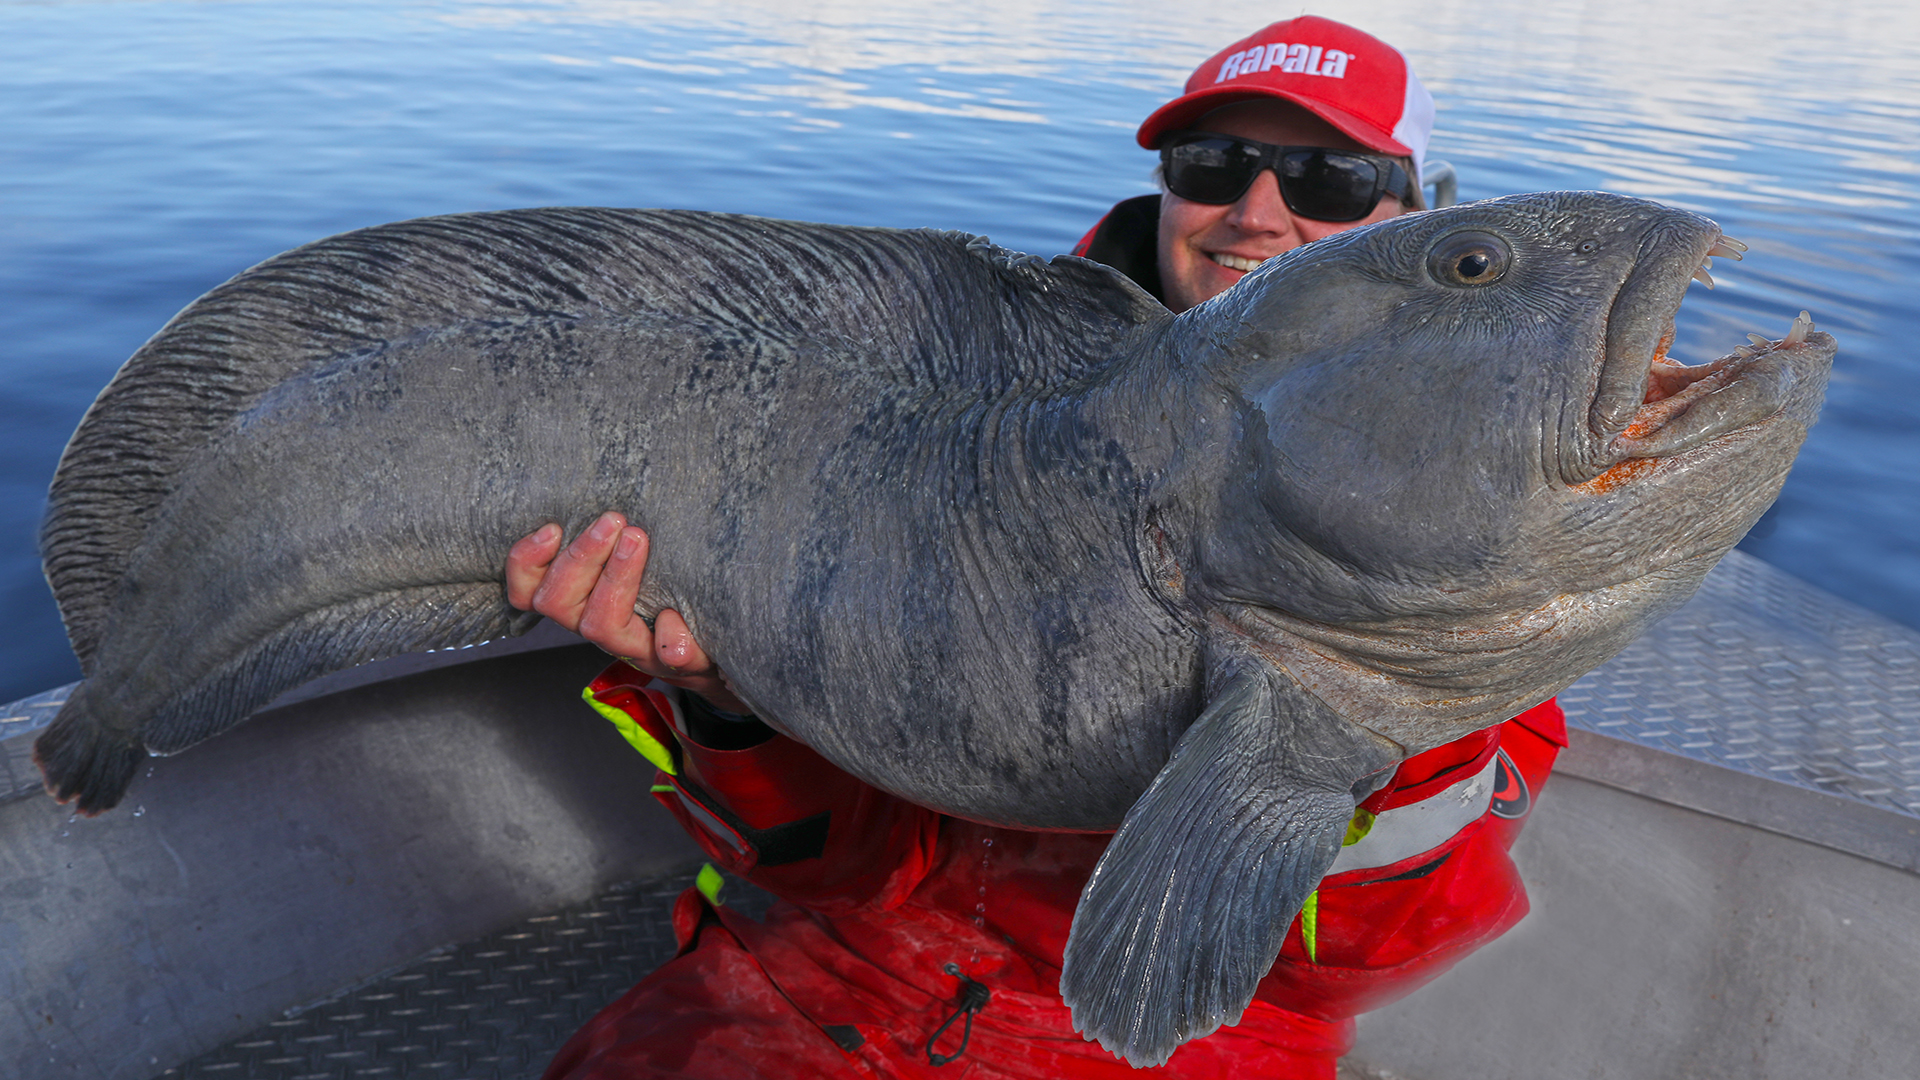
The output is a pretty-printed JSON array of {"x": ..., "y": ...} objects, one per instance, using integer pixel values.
[{"x": 1406, "y": 831}]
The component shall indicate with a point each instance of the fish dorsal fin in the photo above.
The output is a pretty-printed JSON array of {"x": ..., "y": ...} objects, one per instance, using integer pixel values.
[
  {"x": 1069, "y": 278},
  {"x": 894, "y": 293},
  {"x": 1053, "y": 321},
  {"x": 1189, "y": 905}
]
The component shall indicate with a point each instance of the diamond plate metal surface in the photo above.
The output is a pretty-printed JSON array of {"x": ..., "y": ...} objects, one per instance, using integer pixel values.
[
  {"x": 1766, "y": 674},
  {"x": 493, "y": 1009}
]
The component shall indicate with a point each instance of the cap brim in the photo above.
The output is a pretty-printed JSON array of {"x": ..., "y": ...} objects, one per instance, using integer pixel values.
[{"x": 1183, "y": 112}]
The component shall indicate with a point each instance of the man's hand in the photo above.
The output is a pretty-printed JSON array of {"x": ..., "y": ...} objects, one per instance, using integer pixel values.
[{"x": 590, "y": 588}]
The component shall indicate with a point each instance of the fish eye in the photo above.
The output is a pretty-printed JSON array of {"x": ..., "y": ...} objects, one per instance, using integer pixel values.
[{"x": 1469, "y": 258}]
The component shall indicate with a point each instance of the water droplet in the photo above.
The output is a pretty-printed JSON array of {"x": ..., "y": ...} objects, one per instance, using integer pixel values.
[{"x": 139, "y": 810}]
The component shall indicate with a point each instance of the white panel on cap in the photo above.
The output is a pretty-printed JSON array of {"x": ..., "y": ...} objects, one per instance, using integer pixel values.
[{"x": 1415, "y": 128}]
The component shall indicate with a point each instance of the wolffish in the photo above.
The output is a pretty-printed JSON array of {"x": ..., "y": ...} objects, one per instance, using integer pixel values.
[{"x": 1001, "y": 536}]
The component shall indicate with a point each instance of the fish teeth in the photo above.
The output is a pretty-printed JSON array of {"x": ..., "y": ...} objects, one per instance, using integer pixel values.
[
  {"x": 1703, "y": 277},
  {"x": 1763, "y": 342},
  {"x": 1743, "y": 352},
  {"x": 1727, "y": 248},
  {"x": 1797, "y": 333}
]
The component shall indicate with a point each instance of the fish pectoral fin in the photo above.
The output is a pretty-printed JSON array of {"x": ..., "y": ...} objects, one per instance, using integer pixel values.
[{"x": 1187, "y": 909}]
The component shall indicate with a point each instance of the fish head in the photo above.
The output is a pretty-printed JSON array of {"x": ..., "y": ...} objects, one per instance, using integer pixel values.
[{"x": 1464, "y": 471}]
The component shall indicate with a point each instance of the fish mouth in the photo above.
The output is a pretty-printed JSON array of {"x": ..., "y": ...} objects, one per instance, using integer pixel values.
[
  {"x": 1684, "y": 406},
  {"x": 1648, "y": 405}
]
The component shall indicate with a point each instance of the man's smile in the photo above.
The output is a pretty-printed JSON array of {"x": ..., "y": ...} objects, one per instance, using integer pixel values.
[{"x": 1234, "y": 262}]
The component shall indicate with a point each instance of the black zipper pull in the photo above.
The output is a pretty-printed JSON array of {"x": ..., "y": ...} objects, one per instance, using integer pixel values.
[{"x": 973, "y": 998}]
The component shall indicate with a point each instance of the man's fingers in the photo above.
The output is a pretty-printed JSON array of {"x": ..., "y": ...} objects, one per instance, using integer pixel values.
[
  {"x": 685, "y": 664},
  {"x": 675, "y": 649},
  {"x": 527, "y": 563},
  {"x": 590, "y": 587},
  {"x": 607, "y": 619},
  {"x": 569, "y": 580}
]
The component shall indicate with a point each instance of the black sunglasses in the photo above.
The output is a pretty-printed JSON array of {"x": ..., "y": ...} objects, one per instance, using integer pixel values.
[{"x": 1316, "y": 182}]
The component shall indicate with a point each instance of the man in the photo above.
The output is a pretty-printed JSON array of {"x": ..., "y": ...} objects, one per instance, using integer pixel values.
[
  {"x": 910, "y": 940},
  {"x": 1220, "y": 214}
]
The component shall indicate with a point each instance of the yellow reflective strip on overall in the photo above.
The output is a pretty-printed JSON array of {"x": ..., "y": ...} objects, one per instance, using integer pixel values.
[
  {"x": 1357, "y": 829},
  {"x": 1310, "y": 925},
  {"x": 630, "y": 728},
  {"x": 709, "y": 882}
]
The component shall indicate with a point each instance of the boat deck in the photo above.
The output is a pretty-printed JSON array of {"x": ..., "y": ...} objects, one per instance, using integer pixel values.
[
  {"x": 496, "y": 1008},
  {"x": 1764, "y": 674}
]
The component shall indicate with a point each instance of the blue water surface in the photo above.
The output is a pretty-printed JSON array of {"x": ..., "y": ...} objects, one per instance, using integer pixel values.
[{"x": 150, "y": 150}]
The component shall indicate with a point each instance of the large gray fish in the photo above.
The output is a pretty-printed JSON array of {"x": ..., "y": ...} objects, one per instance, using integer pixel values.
[{"x": 1003, "y": 537}]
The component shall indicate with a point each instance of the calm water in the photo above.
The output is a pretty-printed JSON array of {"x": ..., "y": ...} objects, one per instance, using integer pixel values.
[{"x": 149, "y": 150}]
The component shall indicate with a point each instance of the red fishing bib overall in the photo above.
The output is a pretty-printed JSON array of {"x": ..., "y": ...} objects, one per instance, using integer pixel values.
[{"x": 911, "y": 944}]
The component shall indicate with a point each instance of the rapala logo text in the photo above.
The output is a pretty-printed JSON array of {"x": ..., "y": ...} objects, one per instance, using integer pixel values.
[{"x": 1301, "y": 59}]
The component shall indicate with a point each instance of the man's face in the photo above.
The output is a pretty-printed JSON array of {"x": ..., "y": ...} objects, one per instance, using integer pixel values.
[{"x": 1204, "y": 249}]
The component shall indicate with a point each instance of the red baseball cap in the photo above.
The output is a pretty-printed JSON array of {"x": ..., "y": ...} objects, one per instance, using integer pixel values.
[{"x": 1350, "y": 79}]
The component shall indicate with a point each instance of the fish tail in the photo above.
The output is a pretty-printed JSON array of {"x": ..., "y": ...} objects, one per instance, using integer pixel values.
[
  {"x": 83, "y": 760},
  {"x": 125, "y": 712}
]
